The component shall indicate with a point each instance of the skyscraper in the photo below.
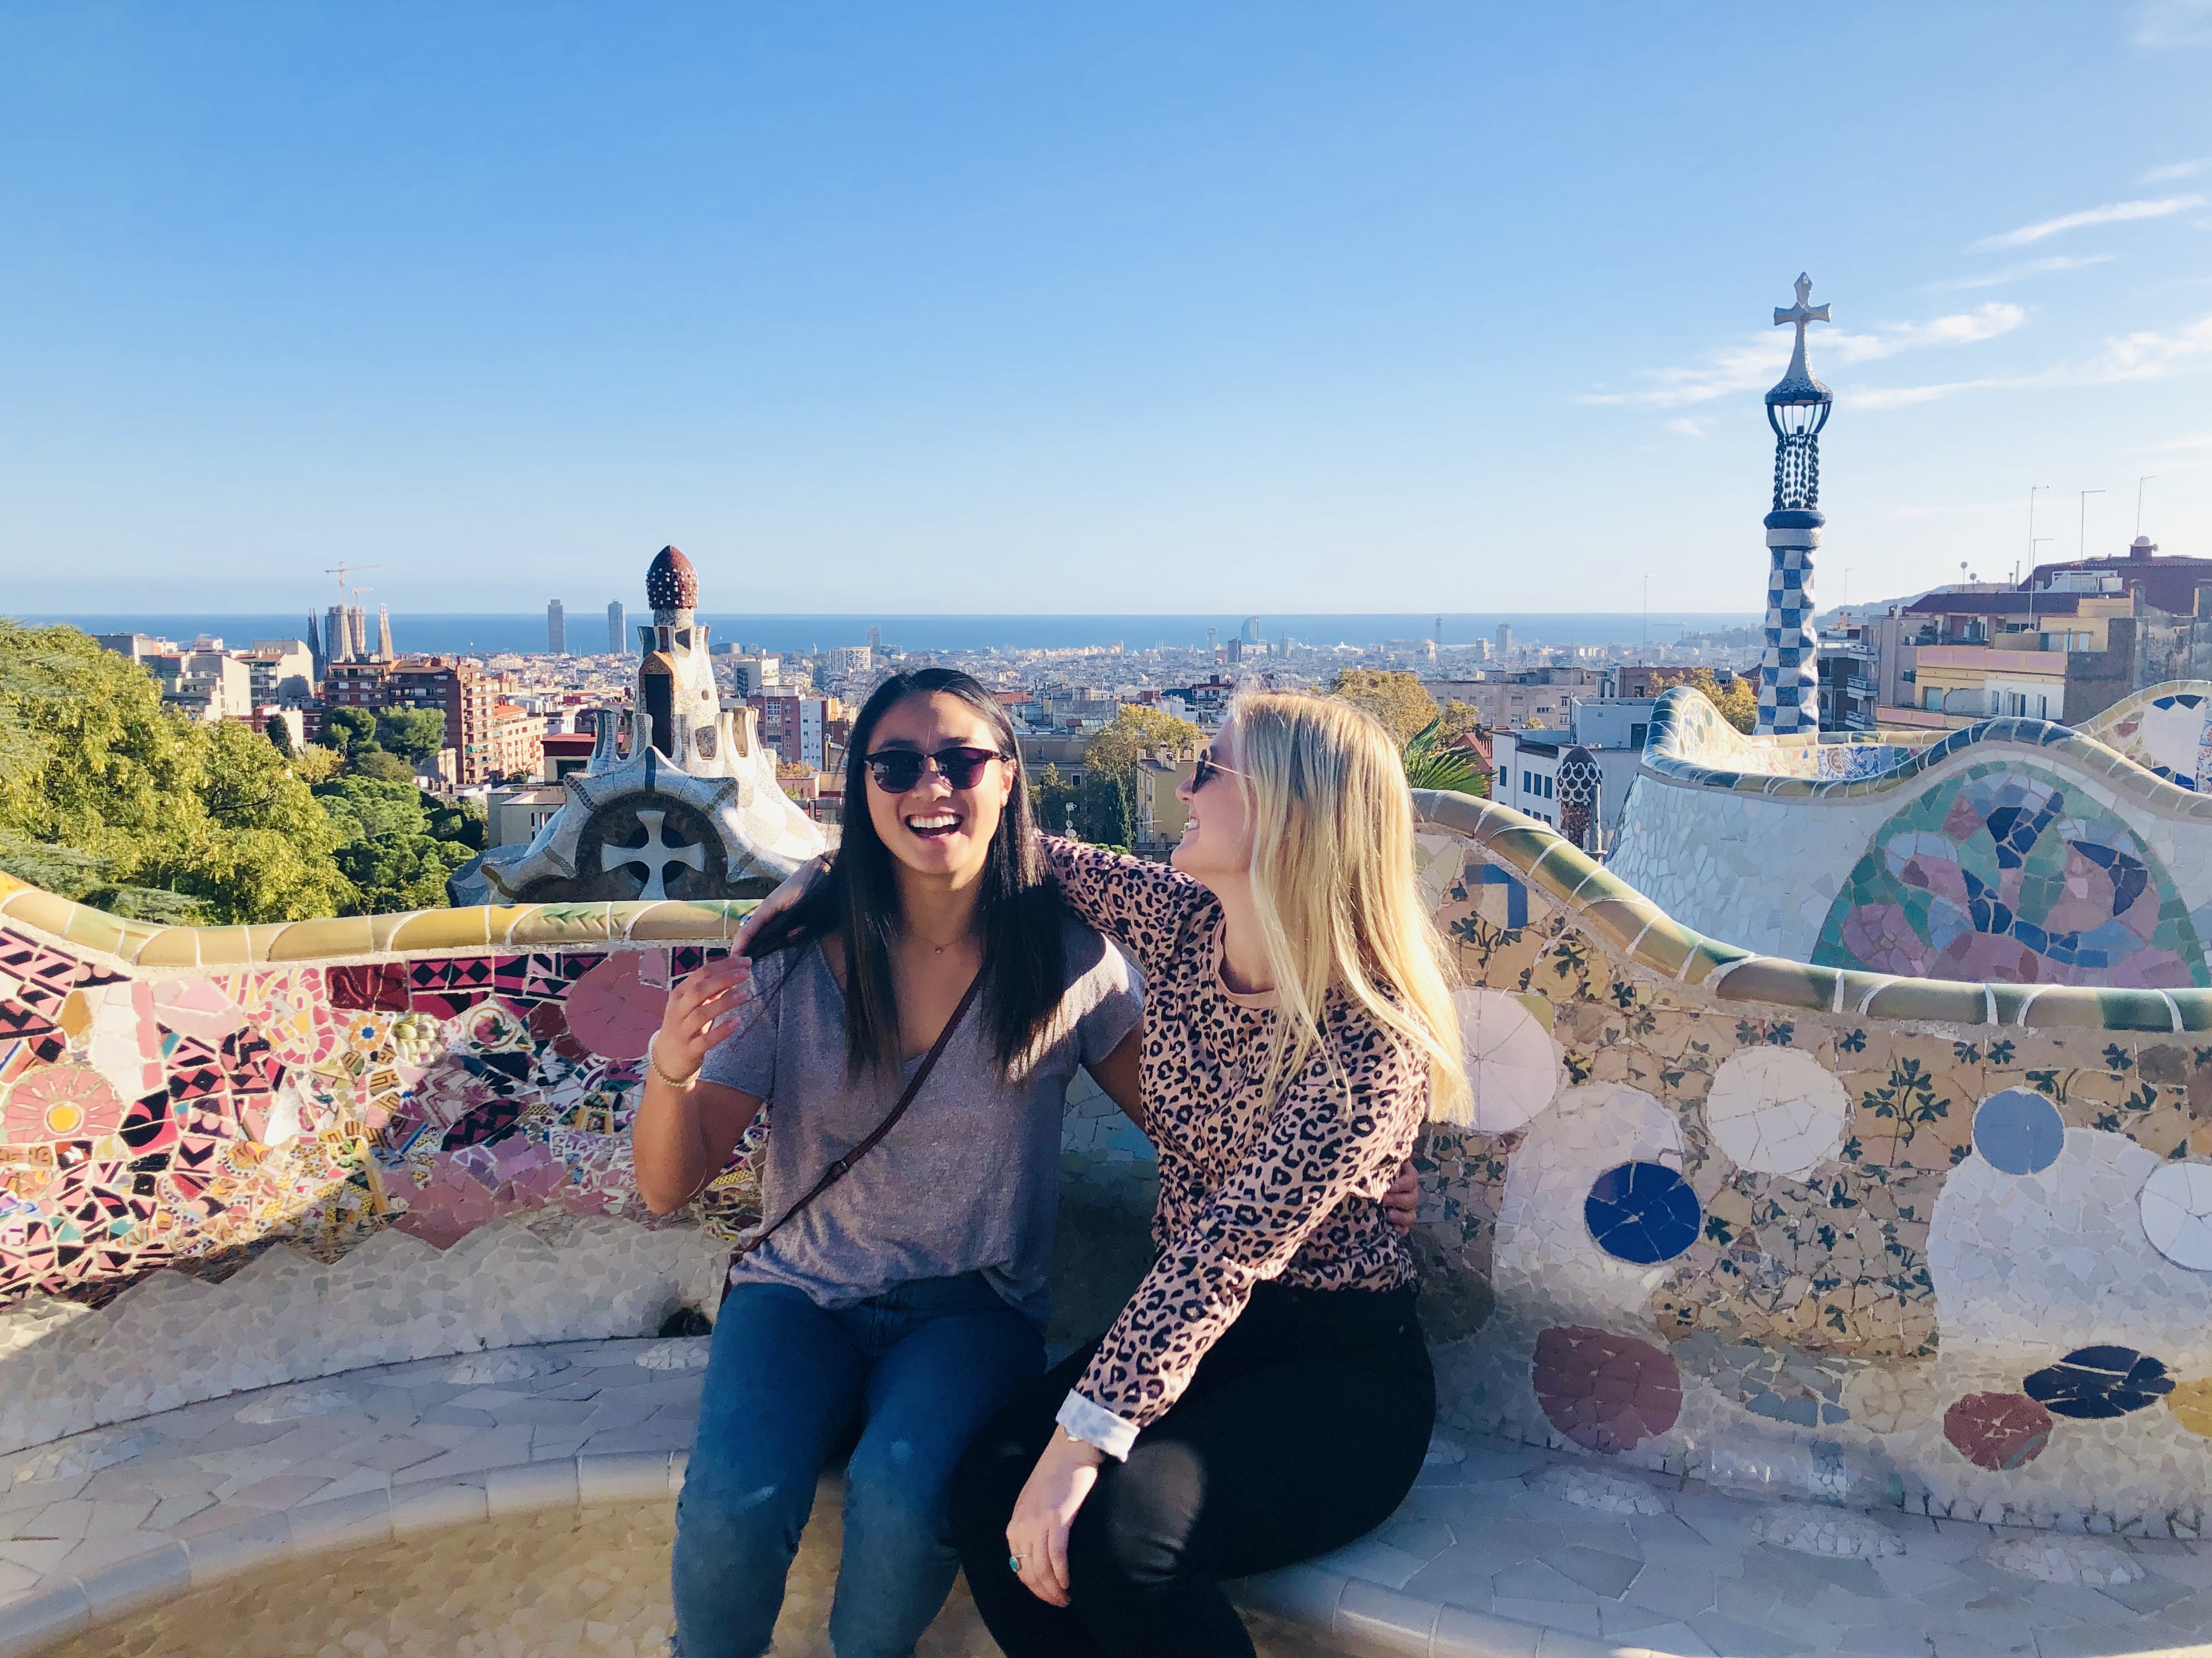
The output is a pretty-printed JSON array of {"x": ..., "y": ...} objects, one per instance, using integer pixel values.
[
  {"x": 1504, "y": 640},
  {"x": 1250, "y": 636},
  {"x": 617, "y": 629},
  {"x": 557, "y": 629}
]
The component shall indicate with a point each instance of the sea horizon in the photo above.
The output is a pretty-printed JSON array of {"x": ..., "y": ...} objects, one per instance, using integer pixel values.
[{"x": 523, "y": 632}]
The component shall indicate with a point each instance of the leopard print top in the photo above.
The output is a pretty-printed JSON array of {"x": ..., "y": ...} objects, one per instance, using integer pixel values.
[{"x": 1252, "y": 1187}]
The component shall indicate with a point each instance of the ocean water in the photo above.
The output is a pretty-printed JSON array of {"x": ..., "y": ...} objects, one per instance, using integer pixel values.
[{"x": 434, "y": 635}]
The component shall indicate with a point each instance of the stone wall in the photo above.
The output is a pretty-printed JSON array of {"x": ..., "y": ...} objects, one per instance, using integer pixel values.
[{"x": 1942, "y": 1245}]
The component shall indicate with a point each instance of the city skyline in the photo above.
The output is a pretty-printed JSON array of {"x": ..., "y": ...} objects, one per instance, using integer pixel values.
[{"x": 1050, "y": 314}]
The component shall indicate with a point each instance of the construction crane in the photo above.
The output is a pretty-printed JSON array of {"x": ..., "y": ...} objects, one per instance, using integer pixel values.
[{"x": 340, "y": 570}]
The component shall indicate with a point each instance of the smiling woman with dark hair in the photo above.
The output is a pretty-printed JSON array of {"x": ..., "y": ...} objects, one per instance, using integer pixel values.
[{"x": 913, "y": 1025}]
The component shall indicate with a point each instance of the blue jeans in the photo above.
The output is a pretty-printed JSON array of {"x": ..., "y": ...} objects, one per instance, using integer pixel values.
[{"x": 911, "y": 1374}]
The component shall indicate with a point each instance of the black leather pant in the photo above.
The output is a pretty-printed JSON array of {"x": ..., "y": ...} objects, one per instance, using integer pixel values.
[{"x": 1303, "y": 1427}]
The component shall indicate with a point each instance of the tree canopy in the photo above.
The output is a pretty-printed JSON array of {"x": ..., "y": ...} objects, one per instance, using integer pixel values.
[
  {"x": 1105, "y": 811},
  {"x": 1737, "y": 701},
  {"x": 108, "y": 798},
  {"x": 1393, "y": 696},
  {"x": 415, "y": 734}
]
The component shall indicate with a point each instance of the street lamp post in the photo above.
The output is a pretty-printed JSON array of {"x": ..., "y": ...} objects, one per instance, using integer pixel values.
[{"x": 2082, "y": 547}]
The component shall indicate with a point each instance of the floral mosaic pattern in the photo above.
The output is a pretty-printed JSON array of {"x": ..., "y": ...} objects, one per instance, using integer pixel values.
[
  {"x": 316, "y": 1105},
  {"x": 2005, "y": 874}
]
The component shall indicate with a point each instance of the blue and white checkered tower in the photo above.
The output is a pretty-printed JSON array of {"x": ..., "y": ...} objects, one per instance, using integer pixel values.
[{"x": 1797, "y": 408}]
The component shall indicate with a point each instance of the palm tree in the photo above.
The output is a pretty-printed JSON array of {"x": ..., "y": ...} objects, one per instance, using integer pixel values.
[{"x": 1433, "y": 763}]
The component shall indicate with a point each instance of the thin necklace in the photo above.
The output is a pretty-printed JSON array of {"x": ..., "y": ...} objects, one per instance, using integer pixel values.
[{"x": 938, "y": 949}]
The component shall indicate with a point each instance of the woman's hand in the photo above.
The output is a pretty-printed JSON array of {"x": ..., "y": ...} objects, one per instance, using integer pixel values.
[
  {"x": 699, "y": 1014},
  {"x": 794, "y": 888},
  {"x": 1037, "y": 1534},
  {"x": 1402, "y": 1203}
]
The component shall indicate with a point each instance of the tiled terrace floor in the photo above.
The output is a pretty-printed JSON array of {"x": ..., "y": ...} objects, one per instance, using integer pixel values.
[{"x": 1501, "y": 1549}]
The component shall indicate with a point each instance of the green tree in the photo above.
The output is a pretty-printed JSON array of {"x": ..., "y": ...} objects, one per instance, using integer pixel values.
[
  {"x": 463, "y": 823},
  {"x": 1398, "y": 699},
  {"x": 380, "y": 764},
  {"x": 1104, "y": 814},
  {"x": 98, "y": 779},
  {"x": 411, "y": 733},
  {"x": 363, "y": 808},
  {"x": 400, "y": 872},
  {"x": 1738, "y": 701},
  {"x": 280, "y": 736},
  {"x": 345, "y": 728},
  {"x": 1051, "y": 798},
  {"x": 1137, "y": 732}
]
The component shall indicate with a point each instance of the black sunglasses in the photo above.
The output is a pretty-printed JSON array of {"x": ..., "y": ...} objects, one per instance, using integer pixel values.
[
  {"x": 897, "y": 770},
  {"x": 1208, "y": 769}
]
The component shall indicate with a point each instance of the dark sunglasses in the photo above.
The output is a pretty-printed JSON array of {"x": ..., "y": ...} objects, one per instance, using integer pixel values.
[
  {"x": 897, "y": 770},
  {"x": 1208, "y": 769}
]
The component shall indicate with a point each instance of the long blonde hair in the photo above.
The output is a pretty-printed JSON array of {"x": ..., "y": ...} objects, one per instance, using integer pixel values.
[{"x": 1333, "y": 888}]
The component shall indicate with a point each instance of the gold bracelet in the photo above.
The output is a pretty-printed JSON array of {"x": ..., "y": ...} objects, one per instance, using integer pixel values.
[{"x": 652, "y": 1064}]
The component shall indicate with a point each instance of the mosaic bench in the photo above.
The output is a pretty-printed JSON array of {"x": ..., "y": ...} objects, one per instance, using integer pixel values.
[{"x": 1935, "y": 1252}]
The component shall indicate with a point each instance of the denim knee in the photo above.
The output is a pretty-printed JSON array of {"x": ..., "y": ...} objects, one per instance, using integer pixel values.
[
  {"x": 725, "y": 1520},
  {"x": 887, "y": 1485}
]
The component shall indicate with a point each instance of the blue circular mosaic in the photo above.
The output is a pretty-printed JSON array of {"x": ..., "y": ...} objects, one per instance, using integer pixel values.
[
  {"x": 1642, "y": 1211},
  {"x": 2019, "y": 1131},
  {"x": 2094, "y": 1382}
]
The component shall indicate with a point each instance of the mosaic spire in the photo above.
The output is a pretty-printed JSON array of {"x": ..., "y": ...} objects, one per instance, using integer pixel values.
[{"x": 1797, "y": 408}]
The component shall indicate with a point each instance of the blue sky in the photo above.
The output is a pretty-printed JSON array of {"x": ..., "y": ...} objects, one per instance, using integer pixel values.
[{"x": 1034, "y": 307}]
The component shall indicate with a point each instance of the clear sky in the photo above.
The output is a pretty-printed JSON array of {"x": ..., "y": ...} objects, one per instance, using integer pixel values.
[{"x": 957, "y": 307}]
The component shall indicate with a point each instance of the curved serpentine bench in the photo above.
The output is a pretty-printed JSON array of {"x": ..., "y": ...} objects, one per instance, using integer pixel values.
[{"x": 1881, "y": 1257}]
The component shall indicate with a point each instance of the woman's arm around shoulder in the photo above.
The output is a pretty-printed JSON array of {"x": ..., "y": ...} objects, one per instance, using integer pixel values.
[
  {"x": 1340, "y": 1130},
  {"x": 1138, "y": 902}
]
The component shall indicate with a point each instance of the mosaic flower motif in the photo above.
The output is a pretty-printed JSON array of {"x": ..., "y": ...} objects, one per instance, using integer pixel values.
[
  {"x": 1778, "y": 1110},
  {"x": 60, "y": 1102},
  {"x": 1643, "y": 1213},
  {"x": 2019, "y": 1131},
  {"x": 2176, "y": 1204},
  {"x": 2005, "y": 875},
  {"x": 2098, "y": 1384},
  {"x": 1512, "y": 1063},
  {"x": 1605, "y": 1392},
  {"x": 1997, "y": 1432}
]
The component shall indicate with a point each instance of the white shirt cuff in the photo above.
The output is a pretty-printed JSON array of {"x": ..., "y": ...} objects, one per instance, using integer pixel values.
[{"x": 1094, "y": 1425}]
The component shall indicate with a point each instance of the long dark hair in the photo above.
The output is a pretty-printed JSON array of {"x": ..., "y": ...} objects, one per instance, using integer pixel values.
[{"x": 1024, "y": 955}]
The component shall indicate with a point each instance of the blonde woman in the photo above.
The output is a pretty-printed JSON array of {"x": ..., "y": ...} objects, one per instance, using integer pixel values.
[{"x": 1266, "y": 1395}]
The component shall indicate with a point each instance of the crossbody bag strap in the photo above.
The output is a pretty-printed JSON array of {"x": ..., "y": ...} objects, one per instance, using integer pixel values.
[{"x": 838, "y": 1170}]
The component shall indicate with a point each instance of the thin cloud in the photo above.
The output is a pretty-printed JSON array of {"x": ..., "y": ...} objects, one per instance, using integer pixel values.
[
  {"x": 1756, "y": 364},
  {"x": 2163, "y": 175},
  {"x": 2111, "y": 213},
  {"x": 2163, "y": 23},
  {"x": 2147, "y": 354},
  {"x": 2030, "y": 268},
  {"x": 1688, "y": 428}
]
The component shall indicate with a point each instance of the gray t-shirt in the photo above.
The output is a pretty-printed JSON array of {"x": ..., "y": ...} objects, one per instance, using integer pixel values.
[{"x": 970, "y": 1179}]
